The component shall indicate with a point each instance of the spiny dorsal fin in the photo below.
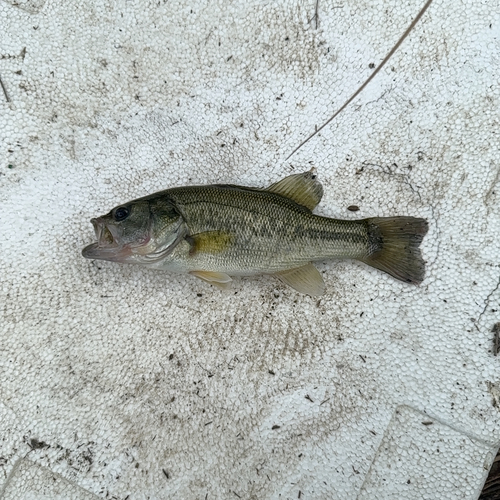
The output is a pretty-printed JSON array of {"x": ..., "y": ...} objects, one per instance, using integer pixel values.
[
  {"x": 304, "y": 188},
  {"x": 305, "y": 279},
  {"x": 220, "y": 280},
  {"x": 212, "y": 242}
]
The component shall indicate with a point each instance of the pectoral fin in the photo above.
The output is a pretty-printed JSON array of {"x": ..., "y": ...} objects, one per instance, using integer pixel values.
[
  {"x": 220, "y": 280},
  {"x": 209, "y": 242},
  {"x": 304, "y": 188},
  {"x": 305, "y": 279}
]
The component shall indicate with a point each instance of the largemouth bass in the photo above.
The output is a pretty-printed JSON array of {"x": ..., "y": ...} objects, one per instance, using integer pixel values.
[{"x": 218, "y": 231}]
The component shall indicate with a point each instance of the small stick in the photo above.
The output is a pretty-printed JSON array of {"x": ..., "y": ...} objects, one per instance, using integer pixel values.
[
  {"x": 496, "y": 339},
  {"x": 4, "y": 90}
]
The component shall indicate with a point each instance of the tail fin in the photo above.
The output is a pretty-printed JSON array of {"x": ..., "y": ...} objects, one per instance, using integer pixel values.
[{"x": 394, "y": 247}]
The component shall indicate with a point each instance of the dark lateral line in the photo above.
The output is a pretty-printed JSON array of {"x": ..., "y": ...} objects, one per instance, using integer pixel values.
[
  {"x": 370, "y": 78},
  {"x": 330, "y": 235},
  {"x": 4, "y": 90}
]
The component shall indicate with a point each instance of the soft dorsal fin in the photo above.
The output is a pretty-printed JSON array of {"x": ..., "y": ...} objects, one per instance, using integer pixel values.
[
  {"x": 305, "y": 279},
  {"x": 304, "y": 188},
  {"x": 220, "y": 280}
]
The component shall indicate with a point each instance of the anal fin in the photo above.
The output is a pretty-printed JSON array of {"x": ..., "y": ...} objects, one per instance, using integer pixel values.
[
  {"x": 220, "y": 280},
  {"x": 305, "y": 279}
]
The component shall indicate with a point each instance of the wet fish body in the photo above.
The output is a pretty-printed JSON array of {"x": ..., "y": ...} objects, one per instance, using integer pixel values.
[{"x": 218, "y": 231}]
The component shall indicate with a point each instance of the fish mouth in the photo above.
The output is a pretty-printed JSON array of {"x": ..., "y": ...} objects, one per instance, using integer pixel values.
[
  {"x": 103, "y": 234},
  {"x": 107, "y": 246}
]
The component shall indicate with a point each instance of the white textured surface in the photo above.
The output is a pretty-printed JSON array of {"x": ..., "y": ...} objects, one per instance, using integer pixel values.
[
  {"x": 30, "y": 481},
  {"x": 418, "y": 459},
  {"x": 125, "y": 382}
]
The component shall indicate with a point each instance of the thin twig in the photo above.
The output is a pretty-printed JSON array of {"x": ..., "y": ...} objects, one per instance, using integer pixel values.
[
  {"x": 496, "y": 339},
  {"x": 370, "y": 78},
  {"x": 4, "y": 90}
]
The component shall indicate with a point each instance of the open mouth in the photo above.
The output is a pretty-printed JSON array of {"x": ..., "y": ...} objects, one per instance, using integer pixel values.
[
  {"x": 103, "y": 234},
  {"x": 106, "y": 248}
]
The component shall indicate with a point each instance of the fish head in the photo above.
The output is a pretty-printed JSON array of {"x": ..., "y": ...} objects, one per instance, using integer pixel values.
[{"x": 141, "y": 231}]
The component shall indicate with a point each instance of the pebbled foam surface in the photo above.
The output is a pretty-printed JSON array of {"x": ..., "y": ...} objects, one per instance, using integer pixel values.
[{"x": 119, "y": 382}]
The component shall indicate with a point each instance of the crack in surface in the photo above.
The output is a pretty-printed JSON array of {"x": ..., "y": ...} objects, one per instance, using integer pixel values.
[
  {"x": 487, "y": 301},
  {"x": 490, "y": 191}
]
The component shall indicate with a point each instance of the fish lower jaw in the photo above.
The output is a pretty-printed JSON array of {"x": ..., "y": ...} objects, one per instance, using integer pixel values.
[{"x": 111, "y": 253}]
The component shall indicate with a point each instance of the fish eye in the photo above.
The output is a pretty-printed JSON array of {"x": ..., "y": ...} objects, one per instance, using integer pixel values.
[{"x": 121, "y": 213}]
